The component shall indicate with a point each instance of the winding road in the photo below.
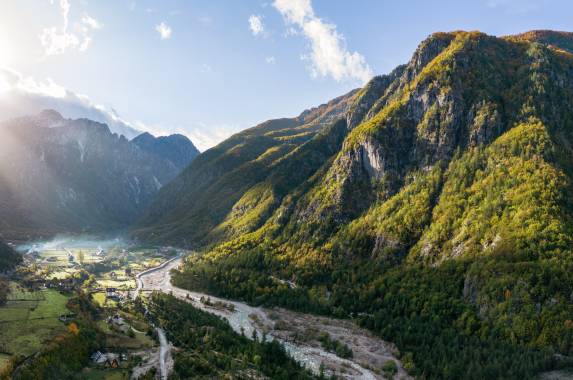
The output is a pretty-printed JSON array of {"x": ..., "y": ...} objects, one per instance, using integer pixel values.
[
  {"x": 164, "y": 352},
  {"x": 165, "y": 359}
]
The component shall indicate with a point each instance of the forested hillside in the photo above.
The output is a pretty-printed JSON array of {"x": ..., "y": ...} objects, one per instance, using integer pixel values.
[
  {"x": 223, "y": 193},
  {"x": 435, "y": 208},
  {"x": 9, "y": 258}
]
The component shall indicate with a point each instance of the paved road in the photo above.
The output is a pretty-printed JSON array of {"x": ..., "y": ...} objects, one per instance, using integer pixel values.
[{"x": 165, "y": 359}]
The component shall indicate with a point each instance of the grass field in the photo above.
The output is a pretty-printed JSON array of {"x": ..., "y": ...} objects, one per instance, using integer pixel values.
[
  {"x": 29, "y": 319},
  {"x": 61, "y": 255},
  {"x": 105, "y": 374},
  {"x": 100, "y": 299},
  {"x": 123, "y": 285}
]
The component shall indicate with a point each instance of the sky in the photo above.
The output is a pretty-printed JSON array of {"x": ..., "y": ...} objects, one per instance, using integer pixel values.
[{"x": 210, "y": 68}]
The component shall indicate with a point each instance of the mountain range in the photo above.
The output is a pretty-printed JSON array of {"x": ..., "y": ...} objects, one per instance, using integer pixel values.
[
  {"x": 434, "y": 205},
  {"x": 342, "y": 162},
  {"x": 64, "y": 175}
]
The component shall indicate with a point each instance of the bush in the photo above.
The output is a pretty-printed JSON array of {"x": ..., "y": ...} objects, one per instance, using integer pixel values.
[{"x": 390, "y": 369}]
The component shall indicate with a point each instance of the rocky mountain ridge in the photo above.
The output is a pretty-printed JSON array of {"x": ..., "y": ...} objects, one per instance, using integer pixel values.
[
  {"x": 63, "y": 175},
  {"x": 435, "y": 207}
]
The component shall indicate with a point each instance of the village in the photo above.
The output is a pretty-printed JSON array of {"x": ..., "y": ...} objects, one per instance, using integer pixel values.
[{"x": 37, "y": 309}]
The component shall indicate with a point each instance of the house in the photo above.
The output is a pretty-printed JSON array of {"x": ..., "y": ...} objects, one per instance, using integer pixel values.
[
  {"x": 34, "y": 253},
  {"x": 112, "y": 363},
  {"x": 98, "y": 358},
  {"x": 118, "y": 323},
  {"x": 65, "y": 285},
  {"x": 109, "y": 360},
  {"x": 116, "y": 320},
  {"x": 65, "y": 317}
]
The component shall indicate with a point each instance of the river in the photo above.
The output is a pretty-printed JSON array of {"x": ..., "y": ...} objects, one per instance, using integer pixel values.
[{"x": 369, "y": 351}]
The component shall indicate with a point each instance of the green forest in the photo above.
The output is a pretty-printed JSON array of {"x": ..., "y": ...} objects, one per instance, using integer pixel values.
[
  {"x": 211, "y": 349},
  {"x": 460, "y": 250}
]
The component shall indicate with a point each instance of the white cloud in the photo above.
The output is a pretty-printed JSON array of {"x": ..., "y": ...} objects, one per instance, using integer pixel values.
[
  {"x": 271, "y": 60},
  {"x": 164, "y": 30},
  {"x": 57, "y": 40},
  {"x": 256, "y": 25},
  {"x": 328, "y": 53},
  {"x": 85, "y": 44},
  {"x": 90, "y": 22},
  {"x": 21, "y": 96},
  {"x": 202, "y": 135},
  {"x": 205, "y": 137}
]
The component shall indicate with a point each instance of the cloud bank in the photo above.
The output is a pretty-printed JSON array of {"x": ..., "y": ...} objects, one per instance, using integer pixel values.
[
  {"x": 21, "y": 96},
  {"x": 328, "y": 53},
  {"x": 57, "y": 40}
]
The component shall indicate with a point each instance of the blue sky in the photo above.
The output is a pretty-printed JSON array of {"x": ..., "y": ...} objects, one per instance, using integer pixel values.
[{"x": 212, "y": 67}]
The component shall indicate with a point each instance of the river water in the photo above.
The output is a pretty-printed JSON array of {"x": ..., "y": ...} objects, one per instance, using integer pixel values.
[{"x": 242, "y": 320}]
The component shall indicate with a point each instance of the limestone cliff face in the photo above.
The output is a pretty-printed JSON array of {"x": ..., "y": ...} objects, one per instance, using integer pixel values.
[
  {"x": 443, "y": 102},
  {"x": 422, "y": 128}
]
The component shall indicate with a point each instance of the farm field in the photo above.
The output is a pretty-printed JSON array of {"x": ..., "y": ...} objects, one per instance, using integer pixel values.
[
  {"x": 29, "y": 320},
  {"x": 49, "y": 278}
]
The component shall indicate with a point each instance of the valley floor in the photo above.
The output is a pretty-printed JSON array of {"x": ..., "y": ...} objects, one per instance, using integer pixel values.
[{"x": 300, "y": 333}]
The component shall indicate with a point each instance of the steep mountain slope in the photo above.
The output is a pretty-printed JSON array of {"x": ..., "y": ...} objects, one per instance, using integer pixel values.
[
  {"x": 176, "y": 148},
  {"x": 233, "y": 187},
  {"x": 441, "y": 216},
  {"x": 61, "y": 175}
]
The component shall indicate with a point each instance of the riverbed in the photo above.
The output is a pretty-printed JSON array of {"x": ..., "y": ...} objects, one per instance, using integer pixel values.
[{"x": 296, "y": 331}]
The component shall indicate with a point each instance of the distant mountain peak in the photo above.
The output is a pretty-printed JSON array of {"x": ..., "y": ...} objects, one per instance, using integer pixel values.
[
  {"x": 176, "y": 148},
  {"x": 49, "y": 118},
  {"x": 559, "y": 39},
  {"x": 51, "y": 114},
  {"x": 79, "y": 175}
]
